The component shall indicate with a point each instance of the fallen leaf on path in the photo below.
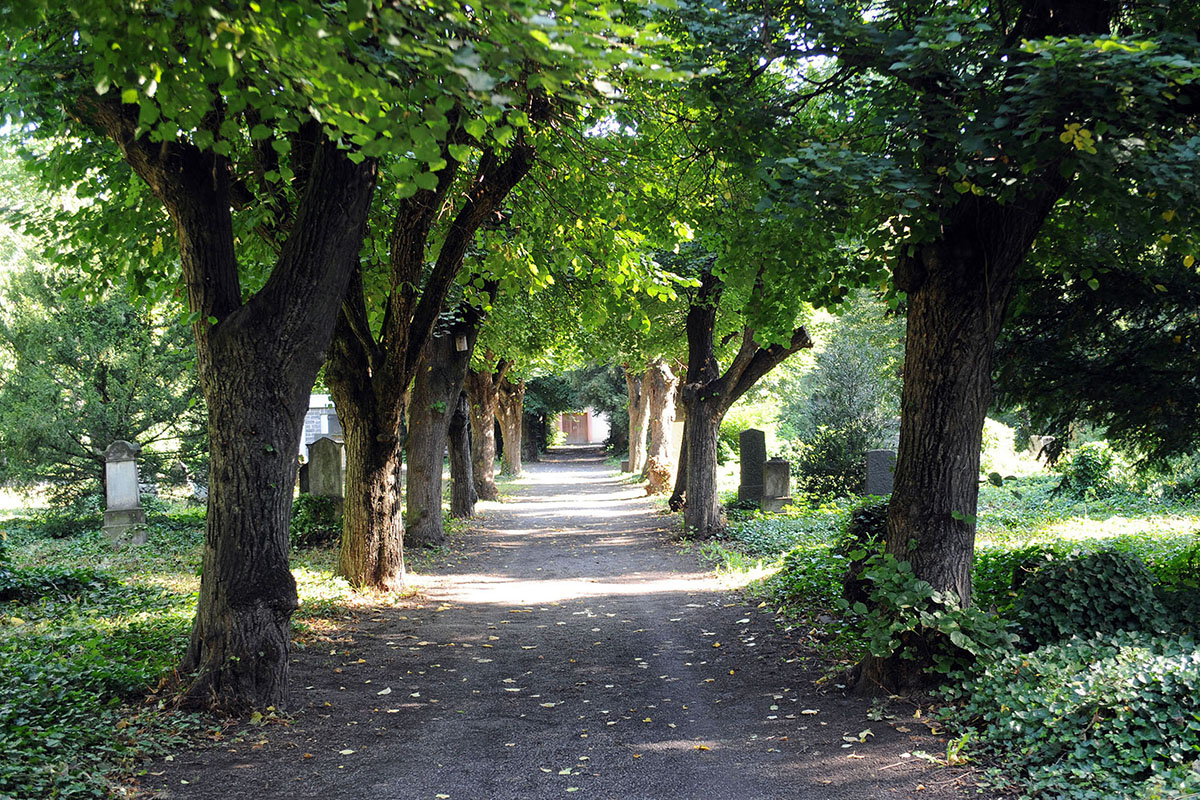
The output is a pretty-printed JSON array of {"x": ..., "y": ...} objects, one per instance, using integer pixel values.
[
  {"x": 810, "y": 711},
  {"x": 346, "y": 752},
  {"x": 385, "y": 691}
]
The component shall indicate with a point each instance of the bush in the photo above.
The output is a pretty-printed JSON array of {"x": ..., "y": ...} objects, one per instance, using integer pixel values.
[
  {"x": 908, "y": 616},
  {"x": 830, "y": 463},
  {"x": 1082, "y": 595},
  {"x": 1109, "y": 716},
  {"x": 1090, "y": 470},
  {"x": 316, "y": 521},
  {"x": 861, "y": 537}
]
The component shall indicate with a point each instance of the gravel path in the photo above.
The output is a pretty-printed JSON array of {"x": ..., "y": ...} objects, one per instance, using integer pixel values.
[{"x": 566, "y": 648}]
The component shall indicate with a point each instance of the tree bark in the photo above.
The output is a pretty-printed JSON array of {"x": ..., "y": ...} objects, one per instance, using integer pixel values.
[
  {"x": 660, "y": 385},
  {"x": 436, "y": 388},
  {"x": 462, "y": 479},
  {"x": 639, "y": 410},
  {"x": 958, "y": 291},
  {"x": 510, "y": 411},
  {"x": 707, "y": 394},
  {"x": 257, "y": 359},
  {"x": 482, "y": 392},
  {"x": 374, "y": 373}
]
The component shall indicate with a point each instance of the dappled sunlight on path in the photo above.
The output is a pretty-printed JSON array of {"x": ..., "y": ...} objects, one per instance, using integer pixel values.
[{"x": 564, "y": 644}]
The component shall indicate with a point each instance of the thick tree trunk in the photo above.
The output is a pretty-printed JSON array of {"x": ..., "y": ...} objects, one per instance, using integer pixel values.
[
  {"x": 702, "y": 514},
  {"x": 256, "y": 363},
  {"x": 510, "y": 412},
  {"x": 639, "y": 409},
  {"x": 436, "y": 388},
  {"x": 481, "y": 393},
  {"x": 372, "y": 546},
  {"x": 660, "y": 386},
  {"x": 958, "y": 290},
  {"x": 462, "y": 479}
]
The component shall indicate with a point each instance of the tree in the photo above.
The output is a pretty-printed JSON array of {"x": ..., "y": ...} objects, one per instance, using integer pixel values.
[
  {"x": 85, "y": 373},
  {"x": 989, "y": 123},
  {"x": 1119, "y": 353},
  {"x": 437, "y": 385},
  {"x": 707, "y": 393},
  {"x": 258, "y": 131}
]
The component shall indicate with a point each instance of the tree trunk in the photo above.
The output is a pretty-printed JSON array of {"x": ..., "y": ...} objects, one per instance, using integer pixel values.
[
  {"x": 660, "y": 385},
  {"x": 707, "y": 395},
  {"x": 438, "y": 384},
  {"x": 257, "y": 363},
  {"x": 372, "y": 546},
  {"x": 533, "y": 436},
  {"x": 462, "y": 480},
  {"x": 510, "y": 411},
  {"x": 958, "y": 291},
  {"x": 702, "y": 514},
  {"x": 639, "y": 409},
  {"x": 678, "y": 499},
  {"x": 483, "y": 400}
]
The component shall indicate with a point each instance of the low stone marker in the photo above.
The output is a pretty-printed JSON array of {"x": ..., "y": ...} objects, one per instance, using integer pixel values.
[
  {"x": 776, "y": 490},
  {"x": 752, "y": 452},
  {"x": 326, "y": 474},
  {"x": 881, "y": 465},
  {"x": 124, "y": 517}
]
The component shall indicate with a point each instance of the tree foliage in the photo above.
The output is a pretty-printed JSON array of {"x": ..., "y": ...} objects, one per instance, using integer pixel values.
[{"x": 85, "y": 373}]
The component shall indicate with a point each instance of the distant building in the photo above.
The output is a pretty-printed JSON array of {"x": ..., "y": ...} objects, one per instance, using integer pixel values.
[
  {"x": 585, "y": 427},
  {"x": 321, "y": 420}
]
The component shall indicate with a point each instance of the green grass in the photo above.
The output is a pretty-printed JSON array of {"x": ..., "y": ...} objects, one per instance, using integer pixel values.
[{"x": 85, "y": 654}]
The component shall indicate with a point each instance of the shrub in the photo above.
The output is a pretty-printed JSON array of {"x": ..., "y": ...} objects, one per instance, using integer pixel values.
[
  {"x": 861, "y": 537},
  {"x": 316, "y": 521},
  {"x": 831, "y": 462},
  {"x": 1081, "y": 595},
  {"x": 1091, "y": 469},
  {"x": 908, "y": 616},
  {"x": 1109, "y": 716}
]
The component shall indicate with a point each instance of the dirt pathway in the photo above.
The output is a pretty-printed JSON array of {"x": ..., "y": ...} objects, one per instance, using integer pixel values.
[{"x": 567, "y": 650}]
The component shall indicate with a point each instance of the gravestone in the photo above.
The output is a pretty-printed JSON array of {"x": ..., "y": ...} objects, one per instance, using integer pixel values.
[
  {"x": 752, "y": 452},
  {"x": 326, "y": 470},
  {"x": 124, "y": 517},
  {"x": 776, "y": 490},
  {"x": 881, "y": 464}
]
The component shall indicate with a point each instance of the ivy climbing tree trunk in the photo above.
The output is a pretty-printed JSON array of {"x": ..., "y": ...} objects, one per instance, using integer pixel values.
[
  {"x": 257, "y": 359},
  {"x": 510, "y": 410},
  {"x": 462, "y": 478},
  {"x": 639, "y": 410},
  {"x": 436, "y": 388}
]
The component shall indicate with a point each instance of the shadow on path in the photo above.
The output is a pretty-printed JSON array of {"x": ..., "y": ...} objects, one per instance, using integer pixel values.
[{"x": 567, "y": 649}]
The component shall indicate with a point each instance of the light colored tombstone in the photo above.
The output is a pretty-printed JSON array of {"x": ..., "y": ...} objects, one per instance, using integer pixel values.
[
  {"x": 124, "y": 517},
  {"x": 881, "y": 466},
  {"x": 326, "y": 468},
  {"x": 752, "y": 453},
  {"x": 776, "y": 488}
]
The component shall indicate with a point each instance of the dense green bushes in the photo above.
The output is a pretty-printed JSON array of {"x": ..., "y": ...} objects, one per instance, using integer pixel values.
[
  {"x": 1106, "y": 716},
  {"x": 1101, "y": 699}
]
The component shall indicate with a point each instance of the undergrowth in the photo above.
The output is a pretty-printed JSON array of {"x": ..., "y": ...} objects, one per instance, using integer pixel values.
[
  {"x": 1077, "y": 673},
  {"x": 87, "y": 652}
]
